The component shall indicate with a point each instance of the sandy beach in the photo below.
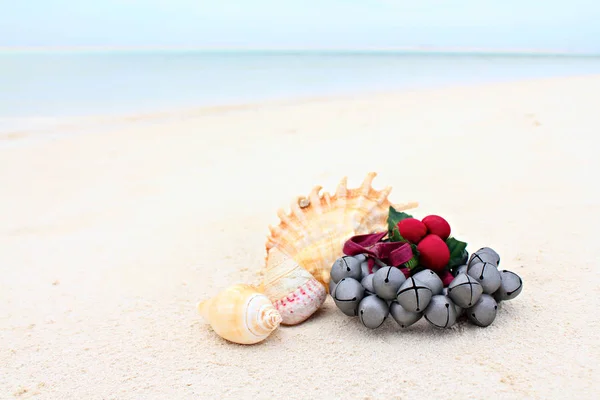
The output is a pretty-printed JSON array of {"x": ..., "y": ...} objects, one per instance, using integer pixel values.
[{"x": 109, "y": 239}]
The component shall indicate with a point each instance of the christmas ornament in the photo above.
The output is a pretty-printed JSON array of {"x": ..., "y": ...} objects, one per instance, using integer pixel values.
[
  {"x": 372, "y": 311},
  {"x": 367, "y": 283},
  {"x": 485, "y": 254},
  {"x": 464, "y": 290},
  {"x": 483, "y": 312},
  {"x": 487, "y": 275},
  {"x": 332, "y": 286},
  {"x": 412, "y": 229},
  {"x": 413, "y": 295},
  {"x": 364, "y": 268},
  {"x": 460, "y": 270},
  {"x": 440, "y": 312},
  {"x": 431, "y": 280},
  {"x": 387, "y": 281},
  {"x": 348, "y": 295},
  {"x": 437, "y": 225},
  {"x": 403, "y": 317},
  {"x": 510, "y": 286},
  {"x": 433, "y": 252},
  {"x": 409, "y": 275},
  {"x": 346, "y": 267}
]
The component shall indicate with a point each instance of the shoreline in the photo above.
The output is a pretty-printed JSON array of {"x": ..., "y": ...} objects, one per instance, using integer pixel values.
[
  {"x": 299, "y": 50},
  {"x": 66, "y": 126}
]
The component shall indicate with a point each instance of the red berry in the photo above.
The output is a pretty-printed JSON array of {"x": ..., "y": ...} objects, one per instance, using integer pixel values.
[
  {"x": 412, "y": 230},
  {"x": 437, "y": 225},
  {"x": 446, "y": 277},
  {"x": 433, "y": 252}
]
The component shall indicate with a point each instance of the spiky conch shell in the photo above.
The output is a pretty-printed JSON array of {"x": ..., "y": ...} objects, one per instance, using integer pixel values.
[
  {"x": 311, "y": 238},
  {"x": 241, "y": 314}
]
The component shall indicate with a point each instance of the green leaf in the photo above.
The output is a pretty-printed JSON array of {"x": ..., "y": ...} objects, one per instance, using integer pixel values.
[
  {"x": 396, "y": 236},
  {"x": 394, "y": 217},
  {"x": 457, "y": 249},
  {"x": 412, "y": 263},
  {"x": 416, "y": 269}
]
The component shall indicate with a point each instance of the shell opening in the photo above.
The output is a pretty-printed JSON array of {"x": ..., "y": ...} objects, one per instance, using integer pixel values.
[
  {"x": 271, "y": 318},
  {"x": 265, "y": 320}
]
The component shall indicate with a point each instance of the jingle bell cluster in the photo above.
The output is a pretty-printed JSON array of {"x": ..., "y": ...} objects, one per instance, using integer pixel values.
[{"x": 374, "y": 293}]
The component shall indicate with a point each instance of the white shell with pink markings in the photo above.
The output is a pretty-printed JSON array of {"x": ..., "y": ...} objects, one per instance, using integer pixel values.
[{"x": 294, "y": 292}]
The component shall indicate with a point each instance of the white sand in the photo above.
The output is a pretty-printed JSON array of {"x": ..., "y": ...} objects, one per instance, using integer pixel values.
[{"x": 107, "y": 241}]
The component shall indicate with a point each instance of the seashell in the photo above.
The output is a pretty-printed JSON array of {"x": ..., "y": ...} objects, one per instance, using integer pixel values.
[
  {"x": 303, "y": 247},
  {"x": 240, "y": 314},
  {"x": 315, "y": 231},
  {"x": 294, "y": 292}
]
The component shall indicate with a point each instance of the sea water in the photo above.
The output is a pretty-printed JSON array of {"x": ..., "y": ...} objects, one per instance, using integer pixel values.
[{"x": 37, "y": 89}]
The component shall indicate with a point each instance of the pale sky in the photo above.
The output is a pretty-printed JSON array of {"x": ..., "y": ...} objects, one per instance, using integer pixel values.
[{"x": 494, "y": 24}]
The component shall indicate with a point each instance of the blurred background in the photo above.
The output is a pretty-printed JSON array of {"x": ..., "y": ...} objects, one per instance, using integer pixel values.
[{"x": 155, "y": 58}]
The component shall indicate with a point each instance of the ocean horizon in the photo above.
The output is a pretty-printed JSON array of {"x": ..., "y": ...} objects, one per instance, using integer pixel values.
[{"x": 39, "y": 87}]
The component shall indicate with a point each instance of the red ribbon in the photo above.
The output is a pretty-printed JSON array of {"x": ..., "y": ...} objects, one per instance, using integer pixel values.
[{"x": 391, "y": 253}]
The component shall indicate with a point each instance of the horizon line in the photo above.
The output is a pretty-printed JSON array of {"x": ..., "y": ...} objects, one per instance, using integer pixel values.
[{"x": 406, "y": 49}]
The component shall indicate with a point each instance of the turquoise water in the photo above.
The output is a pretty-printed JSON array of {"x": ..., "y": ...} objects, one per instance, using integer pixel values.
[{"x": 38, "y": 86}]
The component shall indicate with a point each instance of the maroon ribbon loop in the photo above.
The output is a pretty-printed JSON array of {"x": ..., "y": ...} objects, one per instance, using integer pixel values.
[{"x": 391, "y": 253}]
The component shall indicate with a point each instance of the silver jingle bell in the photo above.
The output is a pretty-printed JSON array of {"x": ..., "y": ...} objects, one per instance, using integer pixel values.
[
  {"x": 347, "y": 296},
  {"x": 387, "y": 281},
  {"x": 510, "y": 286},
  {"x": 459, "y": 310},
  {"x": 485, "y": 254},
  {"x": 413, "y": 295},
  {"x": 441, "y": 311},
  {"x": 346, "y": 267},
  {"x": 490, "y": 251},
  {"x": 460, "y": 270},
  {"x": 364, "y": 268},
  {"x": 403, "y": 317},
  {"x": 487, "y": 275},
  {"x": 483, "y": 312},
  {"x": 360, "y": 257},
  {"x": 332, "y": 286},
  {"x": 464, "y": 290},
  {"x": 431, "y": 280},
  {"x": 367, "y": 283},
  {"x": 372, "y": 311}
]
